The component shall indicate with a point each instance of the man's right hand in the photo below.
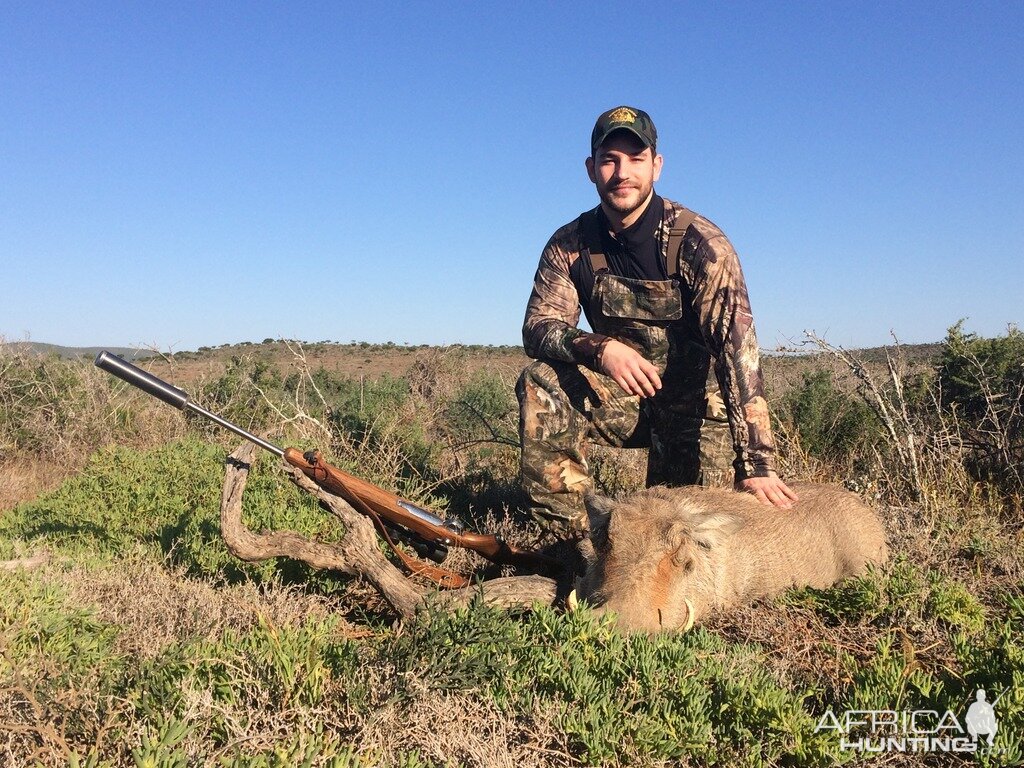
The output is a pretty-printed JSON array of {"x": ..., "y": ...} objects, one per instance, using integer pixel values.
[{"x": 630, "y": 370}]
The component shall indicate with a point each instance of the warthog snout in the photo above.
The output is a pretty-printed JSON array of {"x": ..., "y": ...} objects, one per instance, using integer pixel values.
[{"x": 665, "y": 557}]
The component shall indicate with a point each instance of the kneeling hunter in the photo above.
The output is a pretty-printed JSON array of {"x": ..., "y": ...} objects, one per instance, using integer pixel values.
[{"x": 662, "y": 288}]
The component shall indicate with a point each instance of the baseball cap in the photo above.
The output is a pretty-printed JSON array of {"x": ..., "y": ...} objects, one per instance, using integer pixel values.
[{"x": 635, "y": 120}]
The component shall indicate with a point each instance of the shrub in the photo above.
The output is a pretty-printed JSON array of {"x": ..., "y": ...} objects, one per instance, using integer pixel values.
[
  {"x": 483, "y": 411},
  {"x": 831, "y": 424},
  {"x": 238, "y": 394},
  {"x": 982, "y": 389},
  {"x": 49, "y": 406}
]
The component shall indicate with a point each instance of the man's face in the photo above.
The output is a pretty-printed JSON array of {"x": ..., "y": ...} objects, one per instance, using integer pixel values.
[{"x": 624, "y": 172}]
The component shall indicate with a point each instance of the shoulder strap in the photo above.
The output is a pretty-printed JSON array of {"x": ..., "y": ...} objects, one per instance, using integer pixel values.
[
  {"x": 590, "y": 228},
  {"x": 675, "y": 240}
]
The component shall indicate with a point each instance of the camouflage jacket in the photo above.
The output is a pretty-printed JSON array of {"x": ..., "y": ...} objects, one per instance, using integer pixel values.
[{"x": 718, "y": 314}]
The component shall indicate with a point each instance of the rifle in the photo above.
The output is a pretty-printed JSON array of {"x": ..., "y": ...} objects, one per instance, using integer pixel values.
[{"x": 390, "y": 513}]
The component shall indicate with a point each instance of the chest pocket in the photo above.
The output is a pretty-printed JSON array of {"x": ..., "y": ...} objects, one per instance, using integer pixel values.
[{"x": 646, "y": 301}]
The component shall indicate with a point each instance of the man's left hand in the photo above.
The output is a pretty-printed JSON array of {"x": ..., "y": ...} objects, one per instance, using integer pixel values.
[{"x": 769, "y": 490}]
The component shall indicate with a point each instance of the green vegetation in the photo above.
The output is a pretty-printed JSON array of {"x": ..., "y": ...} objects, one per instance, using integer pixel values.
[
  {"x": 164, "y": 504},
  {"x": 982, "y": 390},
  {"x": 831, "y": 425},
  {"x": 144, "y": 642}
]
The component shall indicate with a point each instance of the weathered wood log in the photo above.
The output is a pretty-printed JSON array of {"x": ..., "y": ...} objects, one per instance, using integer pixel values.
[{"x": 357, "y": 553}]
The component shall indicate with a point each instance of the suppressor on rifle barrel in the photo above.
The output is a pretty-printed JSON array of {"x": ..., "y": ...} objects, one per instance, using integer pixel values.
[{"x": 171, "y": 395}]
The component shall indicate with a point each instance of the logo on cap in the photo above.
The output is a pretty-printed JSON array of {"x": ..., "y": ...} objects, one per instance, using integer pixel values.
[{"x": 622, "y": 115}]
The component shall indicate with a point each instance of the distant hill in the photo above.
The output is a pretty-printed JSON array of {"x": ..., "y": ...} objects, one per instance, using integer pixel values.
[
  {"x": 375, "y": 359},
  {"x": 71, "y": 353},
  {"x": 912, "y": 353}
]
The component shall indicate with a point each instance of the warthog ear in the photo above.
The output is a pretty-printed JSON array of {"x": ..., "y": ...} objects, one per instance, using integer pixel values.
[
  {"x": 711, "y": 528},
  {"x": 677, "y": 535},
  {"x": 599, "y": 515}
]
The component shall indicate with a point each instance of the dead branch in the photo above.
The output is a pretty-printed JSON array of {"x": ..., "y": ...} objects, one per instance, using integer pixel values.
[
  {"x": 357, "y": 553},
  {"x": 891, "y": 410},
  {"x": 495, "y": 435}
]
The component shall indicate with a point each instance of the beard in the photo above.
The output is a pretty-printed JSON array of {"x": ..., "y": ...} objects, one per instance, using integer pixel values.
[{"x": 625, "y": 204}]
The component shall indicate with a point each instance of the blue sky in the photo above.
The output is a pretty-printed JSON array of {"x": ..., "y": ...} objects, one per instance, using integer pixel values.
[{"x": 188, "y": 174}]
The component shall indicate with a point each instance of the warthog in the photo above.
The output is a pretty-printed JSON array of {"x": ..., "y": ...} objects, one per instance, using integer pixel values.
[{"x": 666, "y": 557}]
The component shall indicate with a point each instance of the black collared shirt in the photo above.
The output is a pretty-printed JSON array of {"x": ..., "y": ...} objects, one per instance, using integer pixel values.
[{"x": 635, "y": 252}]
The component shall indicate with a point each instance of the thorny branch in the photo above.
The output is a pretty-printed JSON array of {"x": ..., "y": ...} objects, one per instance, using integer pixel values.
[
  {"x": 496, "y": 436},
  {"x": 305, "y": 375}
]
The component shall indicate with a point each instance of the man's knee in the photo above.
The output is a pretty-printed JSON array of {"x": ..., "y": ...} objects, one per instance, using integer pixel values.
[
  {"x": 538, "y": 375},
  {"x": 540, "y": 407}
]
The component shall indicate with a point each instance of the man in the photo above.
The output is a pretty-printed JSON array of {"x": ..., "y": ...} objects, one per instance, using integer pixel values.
[
  {"x": 663, "y": 291},
  {"x": 981, "y": 718}
]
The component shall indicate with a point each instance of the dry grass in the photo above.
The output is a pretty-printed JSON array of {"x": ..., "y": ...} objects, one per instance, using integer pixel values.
[
  {"x": 462, "y": 729},
  {"x": 157, "y": 605},
  {"x": 24, "y": 479}
]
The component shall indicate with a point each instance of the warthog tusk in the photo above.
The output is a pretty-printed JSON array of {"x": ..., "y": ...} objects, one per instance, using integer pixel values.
[
  {"x": 689, "y": 616},
  {"x": 571, "y": 602}
]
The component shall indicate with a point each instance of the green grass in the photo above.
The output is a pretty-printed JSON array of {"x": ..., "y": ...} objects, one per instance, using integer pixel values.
[
  {"x": 266, "y": 693},
  {"x": 166, "y": 503},
  {"x": 612, "y": 697},
  {"x": 617, "y": 697}
]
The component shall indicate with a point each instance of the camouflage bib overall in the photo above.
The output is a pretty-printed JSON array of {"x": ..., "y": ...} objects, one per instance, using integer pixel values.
[{"x": 563, "y": 405}]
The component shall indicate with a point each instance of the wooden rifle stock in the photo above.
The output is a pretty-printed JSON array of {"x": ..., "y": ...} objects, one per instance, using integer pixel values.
[{"x": 393, "y": 508}]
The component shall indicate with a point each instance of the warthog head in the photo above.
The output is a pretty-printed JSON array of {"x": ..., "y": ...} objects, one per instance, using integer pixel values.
[{"x": 652, "y": 555}]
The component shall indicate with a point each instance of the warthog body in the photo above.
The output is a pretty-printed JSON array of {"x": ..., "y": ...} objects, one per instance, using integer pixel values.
[{"x": 666, "y": 557}]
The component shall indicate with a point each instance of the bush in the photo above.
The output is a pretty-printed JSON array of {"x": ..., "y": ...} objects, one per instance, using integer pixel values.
[
  {"x": 831, "y": 425},
  {"x": 982, "y": 388},
  {"x": 49, "y": 405},
  {"x": 483, "y": 411},
  {"x": 238, "y": 394},
  {"x": 375, "y": 429}
]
